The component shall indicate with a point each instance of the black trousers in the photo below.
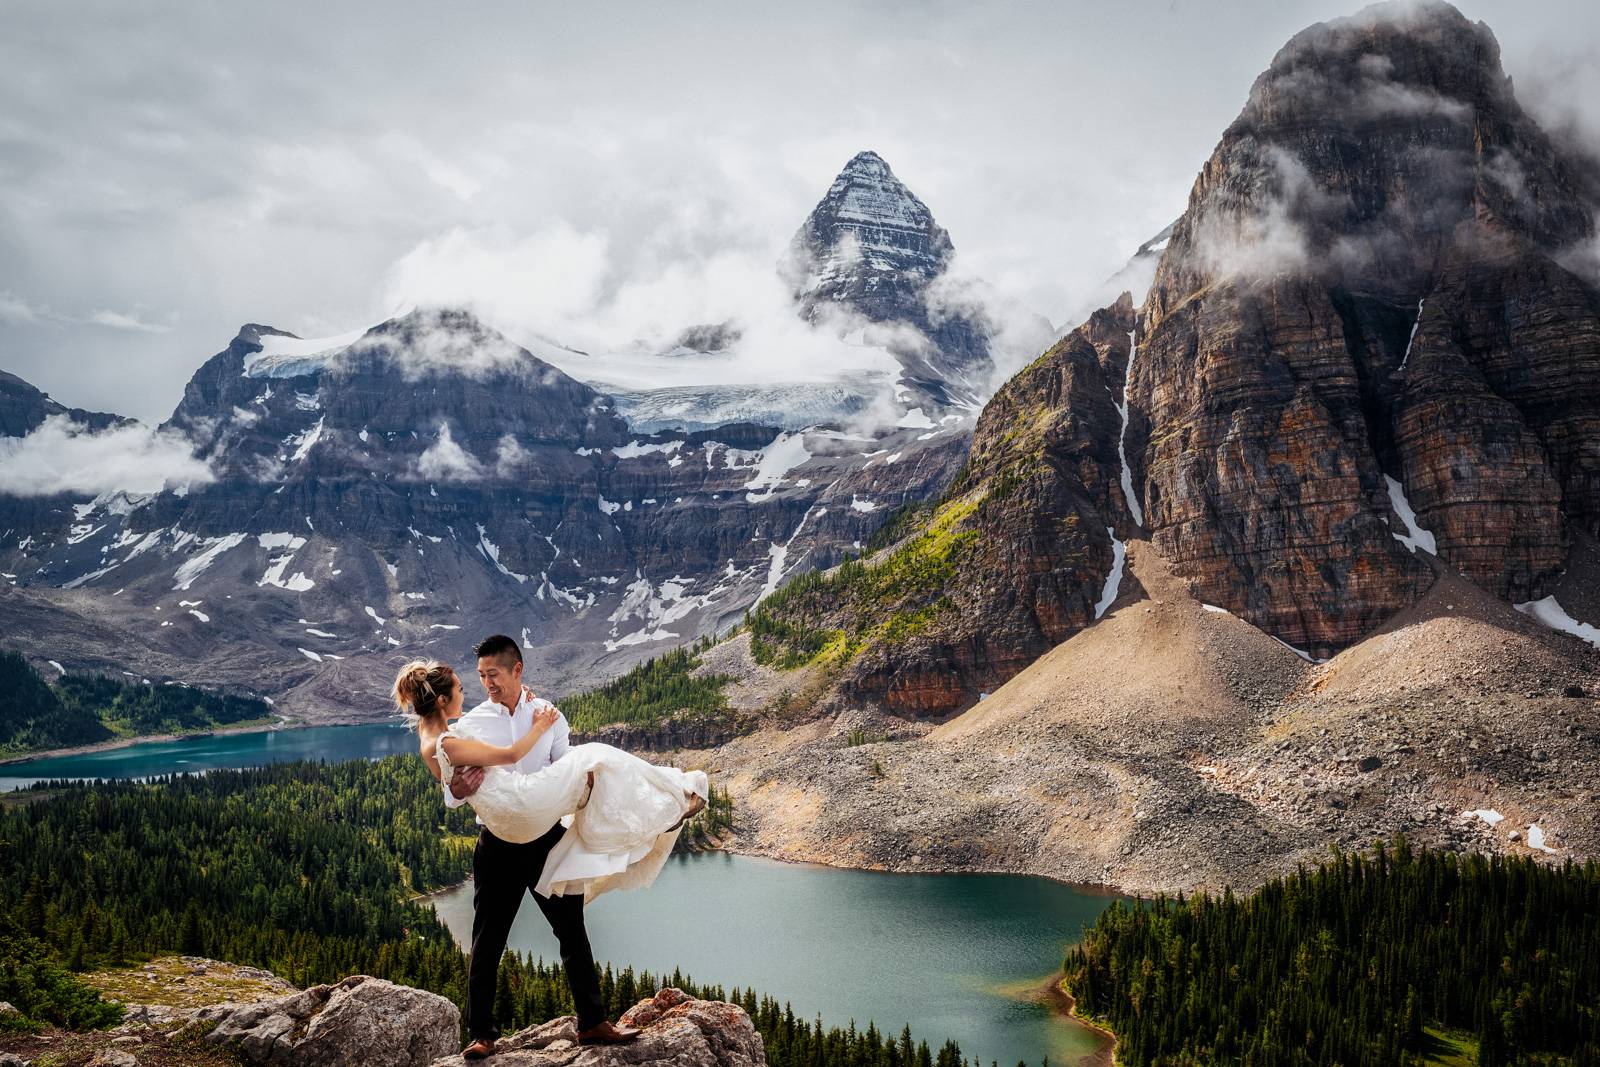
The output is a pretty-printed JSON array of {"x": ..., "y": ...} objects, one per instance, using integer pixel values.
[{"x": 501, "y": 873}]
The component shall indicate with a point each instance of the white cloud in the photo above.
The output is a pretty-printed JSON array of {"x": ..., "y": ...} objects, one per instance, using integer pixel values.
[
  {"x": 1017, "y": 334},
  {"x": 554, "y": 274},
  {"x": 563, "y": 285},
  {"x": 432, "y": 339},
  {"x": 508, "y": 456},
  {"x": 446, "y": 461},
  {"x": 61, "y": 456},
  {"x": 17, "y": 310},
  {"x": 1259, "y": 233},
  {"x": 118, "y": 320}
]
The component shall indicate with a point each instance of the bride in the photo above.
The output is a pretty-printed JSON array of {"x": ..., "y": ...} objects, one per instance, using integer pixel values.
[{"x": 625, "y": 813}]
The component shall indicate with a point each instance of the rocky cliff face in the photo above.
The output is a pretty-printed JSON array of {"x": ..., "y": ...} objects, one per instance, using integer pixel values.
[
  {"x": 1042, "y": 538},
  {"x": 873, "y": 248},
  {"x": 1362, "y": 313},
  {"x": 1021, "y": 553},
  {"x": 404, "y": 490}
]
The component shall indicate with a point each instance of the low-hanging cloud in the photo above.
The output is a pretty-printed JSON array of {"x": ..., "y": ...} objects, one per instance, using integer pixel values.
[
  {"x": 119, "y": 320},
  {"x": 61, "y": 456},
  {"x": 281, "y": 196},
  {"x": 562, "y": 293},
  {"x": 447, "y": 461},
  {"x": 1017, "y": 334},
  {"x": 1263, "y": 232},
  {"x": 438, "y": 339}
]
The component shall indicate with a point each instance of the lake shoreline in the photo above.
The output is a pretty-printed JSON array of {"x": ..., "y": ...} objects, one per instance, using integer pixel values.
[
  {"x": 283, "y": 723},
  {"x": 1088, "y": 888},
  {"x": 1066, "y": 1005}
]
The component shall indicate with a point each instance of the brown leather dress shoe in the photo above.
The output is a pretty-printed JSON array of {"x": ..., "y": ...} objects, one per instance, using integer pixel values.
[
  {"x": 481, "y": 1049},
  {"x": 607, "y": 1033}
]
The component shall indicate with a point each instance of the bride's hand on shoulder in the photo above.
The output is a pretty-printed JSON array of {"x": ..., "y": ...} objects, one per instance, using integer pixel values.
[{"x": 545, "y": 717}]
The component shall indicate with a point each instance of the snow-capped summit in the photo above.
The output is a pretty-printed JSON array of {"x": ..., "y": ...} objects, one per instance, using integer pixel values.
[
  {"x": 871, "y": 250},
  {"x": 870, "y": 202},
  {"x": 869, "y": 237}
]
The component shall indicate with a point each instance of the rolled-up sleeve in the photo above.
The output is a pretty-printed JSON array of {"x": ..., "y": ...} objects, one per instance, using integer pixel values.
[{"x": 560, "y": 740}]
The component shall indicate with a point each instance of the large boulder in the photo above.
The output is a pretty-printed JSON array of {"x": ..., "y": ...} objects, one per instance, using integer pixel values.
[
  {"x": 357, "y": 1020},
  {"x": 677, "y": 1030}
]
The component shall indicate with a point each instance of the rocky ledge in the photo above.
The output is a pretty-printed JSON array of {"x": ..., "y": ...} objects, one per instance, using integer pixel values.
[
  {"x": 365, "y": 1020},
  {"x": 677, "y": 1029}
]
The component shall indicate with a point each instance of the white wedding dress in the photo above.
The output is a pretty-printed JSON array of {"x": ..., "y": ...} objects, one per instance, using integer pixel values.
[{"x": 619, "y": 838}]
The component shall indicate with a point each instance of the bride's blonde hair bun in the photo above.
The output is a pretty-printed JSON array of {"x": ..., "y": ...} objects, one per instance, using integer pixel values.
[{"x": 423, "y": 689}]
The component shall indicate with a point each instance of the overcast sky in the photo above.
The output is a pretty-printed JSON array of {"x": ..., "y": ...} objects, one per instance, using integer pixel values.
[{"x": 171, "y": 171}]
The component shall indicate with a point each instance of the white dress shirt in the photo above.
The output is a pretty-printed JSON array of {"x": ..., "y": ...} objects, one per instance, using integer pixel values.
[{"x": 488, "y": 722}]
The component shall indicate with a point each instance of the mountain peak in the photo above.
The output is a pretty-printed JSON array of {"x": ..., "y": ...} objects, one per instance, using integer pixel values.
[
  {"x": 24, "y": 406},
  {"x": 867, "y": 195},
  {"x": 870, "y": 241},
  {"x": 1382, "y": 56},
  {"x": 867, "y": 164},
  {"x": 871, "y": 249}
]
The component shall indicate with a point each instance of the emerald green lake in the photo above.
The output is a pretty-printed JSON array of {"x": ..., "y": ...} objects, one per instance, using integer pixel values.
[{"x": 957, "y": 956}]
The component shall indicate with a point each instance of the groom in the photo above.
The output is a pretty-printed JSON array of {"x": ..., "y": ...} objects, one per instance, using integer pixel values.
[{"x": 502, "y": 871}]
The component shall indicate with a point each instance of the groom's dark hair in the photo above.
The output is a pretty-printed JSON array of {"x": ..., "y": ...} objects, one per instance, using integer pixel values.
[{"x": 500, "y": 647}]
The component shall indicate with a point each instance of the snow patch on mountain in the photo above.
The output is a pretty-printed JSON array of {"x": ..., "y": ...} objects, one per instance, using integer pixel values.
[
  {"x": 491, "y": 552},
  {"x": 786, "y": 452},
  {"x": 1415, "y": 536},
  {"x": 195, "y": 566},
  {"x": 1128, "y": 493},
  {"x": 286, "y": 356},
  {"x": 635, "y": 449},
  {"x": 1550, "y": 612},
  {"x": 1119, "y": 555}
]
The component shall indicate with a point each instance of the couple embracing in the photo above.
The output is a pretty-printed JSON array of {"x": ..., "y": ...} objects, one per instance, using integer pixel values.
[{"x": 509, "y": 757}]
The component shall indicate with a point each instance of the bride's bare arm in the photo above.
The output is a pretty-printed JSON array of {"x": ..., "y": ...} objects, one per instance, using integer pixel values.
[{"x": 464, "y": 751}]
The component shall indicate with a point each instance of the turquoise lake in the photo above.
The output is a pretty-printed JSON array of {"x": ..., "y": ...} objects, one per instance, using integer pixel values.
[
  {"x": 957, "y": 956},
  {"x": 209, "y": 753}
]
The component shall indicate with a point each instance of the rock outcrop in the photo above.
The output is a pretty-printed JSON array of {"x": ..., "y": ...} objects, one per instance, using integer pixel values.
[
  {"x": 357, "y": 1020},
  {"x": 1040, "y": 538},
  {"x": 669, "y": 734},
  {"x": 360, "y": 1020},
  {"x": 676, "y": 1029}
]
